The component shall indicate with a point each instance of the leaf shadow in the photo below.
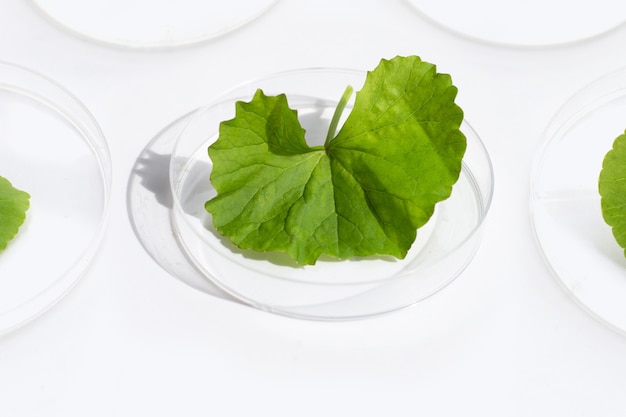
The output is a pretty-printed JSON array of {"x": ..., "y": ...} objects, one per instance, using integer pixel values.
[
  {"x": 149, "y": 206},
  {"x": 153, "y": 170}
]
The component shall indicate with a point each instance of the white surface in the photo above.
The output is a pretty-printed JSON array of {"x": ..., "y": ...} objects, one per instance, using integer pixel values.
[{"x": 131, "y": 339}]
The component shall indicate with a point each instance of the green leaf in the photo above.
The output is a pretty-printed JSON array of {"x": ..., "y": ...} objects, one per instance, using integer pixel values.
[
  {"x": 13, "y": 206},
  {"x": 365, "y": 192},
  {"x": 612, "y": 188}
]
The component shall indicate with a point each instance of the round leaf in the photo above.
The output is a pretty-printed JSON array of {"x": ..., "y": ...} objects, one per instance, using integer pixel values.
[{"x": 366, "y": 192}]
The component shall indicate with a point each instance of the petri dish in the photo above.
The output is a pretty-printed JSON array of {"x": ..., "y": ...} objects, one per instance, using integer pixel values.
[
  {"x": 152, "y": 23},
  {"x": 330, "y": 289},
  {"x": 576, "y": 243},
  {"x": 52, "y": 148},
  {"x": 524, "y": 22}
]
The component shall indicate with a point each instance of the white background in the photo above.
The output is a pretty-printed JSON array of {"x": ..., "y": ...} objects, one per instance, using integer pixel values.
[{"x": 132, "y": 340}]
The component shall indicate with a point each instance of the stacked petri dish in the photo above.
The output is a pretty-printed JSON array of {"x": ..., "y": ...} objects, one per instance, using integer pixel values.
[{"x": 331, "y": 289}]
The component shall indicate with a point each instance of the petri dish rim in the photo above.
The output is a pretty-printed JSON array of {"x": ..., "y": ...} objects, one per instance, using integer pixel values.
[
  {"x": 595, "y": 98},
  {"x": 476, "y": 33},
  {"x": 38, "y": 88},
  {"x": 167, "y": 35}
]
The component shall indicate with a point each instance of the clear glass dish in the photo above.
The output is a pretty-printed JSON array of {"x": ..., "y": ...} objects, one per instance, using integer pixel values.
[
  {"x": 330, "y": 289},
  {"x": 152, "y": 23},
  {"x": 525, "y": 23},
  {"x": 577, "y": 244},
  {"x": 52, "y": 148}
]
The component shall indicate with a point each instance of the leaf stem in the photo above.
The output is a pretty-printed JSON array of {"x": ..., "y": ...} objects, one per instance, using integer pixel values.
[{"x": 337, "y": 115}]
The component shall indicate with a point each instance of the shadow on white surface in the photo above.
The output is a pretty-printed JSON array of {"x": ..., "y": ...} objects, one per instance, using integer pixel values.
[{"x": 149, "y": 202}]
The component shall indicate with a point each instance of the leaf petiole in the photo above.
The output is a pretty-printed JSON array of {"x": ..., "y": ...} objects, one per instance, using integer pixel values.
[{"x": 332, "y": 129}]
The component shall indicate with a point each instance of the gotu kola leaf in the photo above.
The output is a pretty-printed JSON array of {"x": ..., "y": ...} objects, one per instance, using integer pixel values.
[
  {"x": 365, "y": 192},
  {"x": 13, "y": 206},
  {"x": 612, "y": 189}
]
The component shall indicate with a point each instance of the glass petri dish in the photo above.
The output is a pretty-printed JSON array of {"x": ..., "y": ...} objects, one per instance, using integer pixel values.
[
  {"x": 329, "y": 290},
  {"x": 152, "y": 23},
  {"x": 576, "y": 243},
  {"x": 525, "y": 22},
  {"x": 52, "y": 148}
]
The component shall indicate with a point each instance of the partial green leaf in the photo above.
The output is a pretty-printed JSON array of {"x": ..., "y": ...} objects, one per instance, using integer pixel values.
[
  {"x": 612, "y": 188},
  {"x": 366, "y": 192},
  {"x": 13, "y": 206}
]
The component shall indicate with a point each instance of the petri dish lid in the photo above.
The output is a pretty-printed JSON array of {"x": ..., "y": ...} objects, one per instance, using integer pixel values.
[
  {"x": 152, "y": 23},
  {"x": 52, "y": 148},
  {"x": 525, "y": 22},
  {"x": 576, "y": 243}
]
